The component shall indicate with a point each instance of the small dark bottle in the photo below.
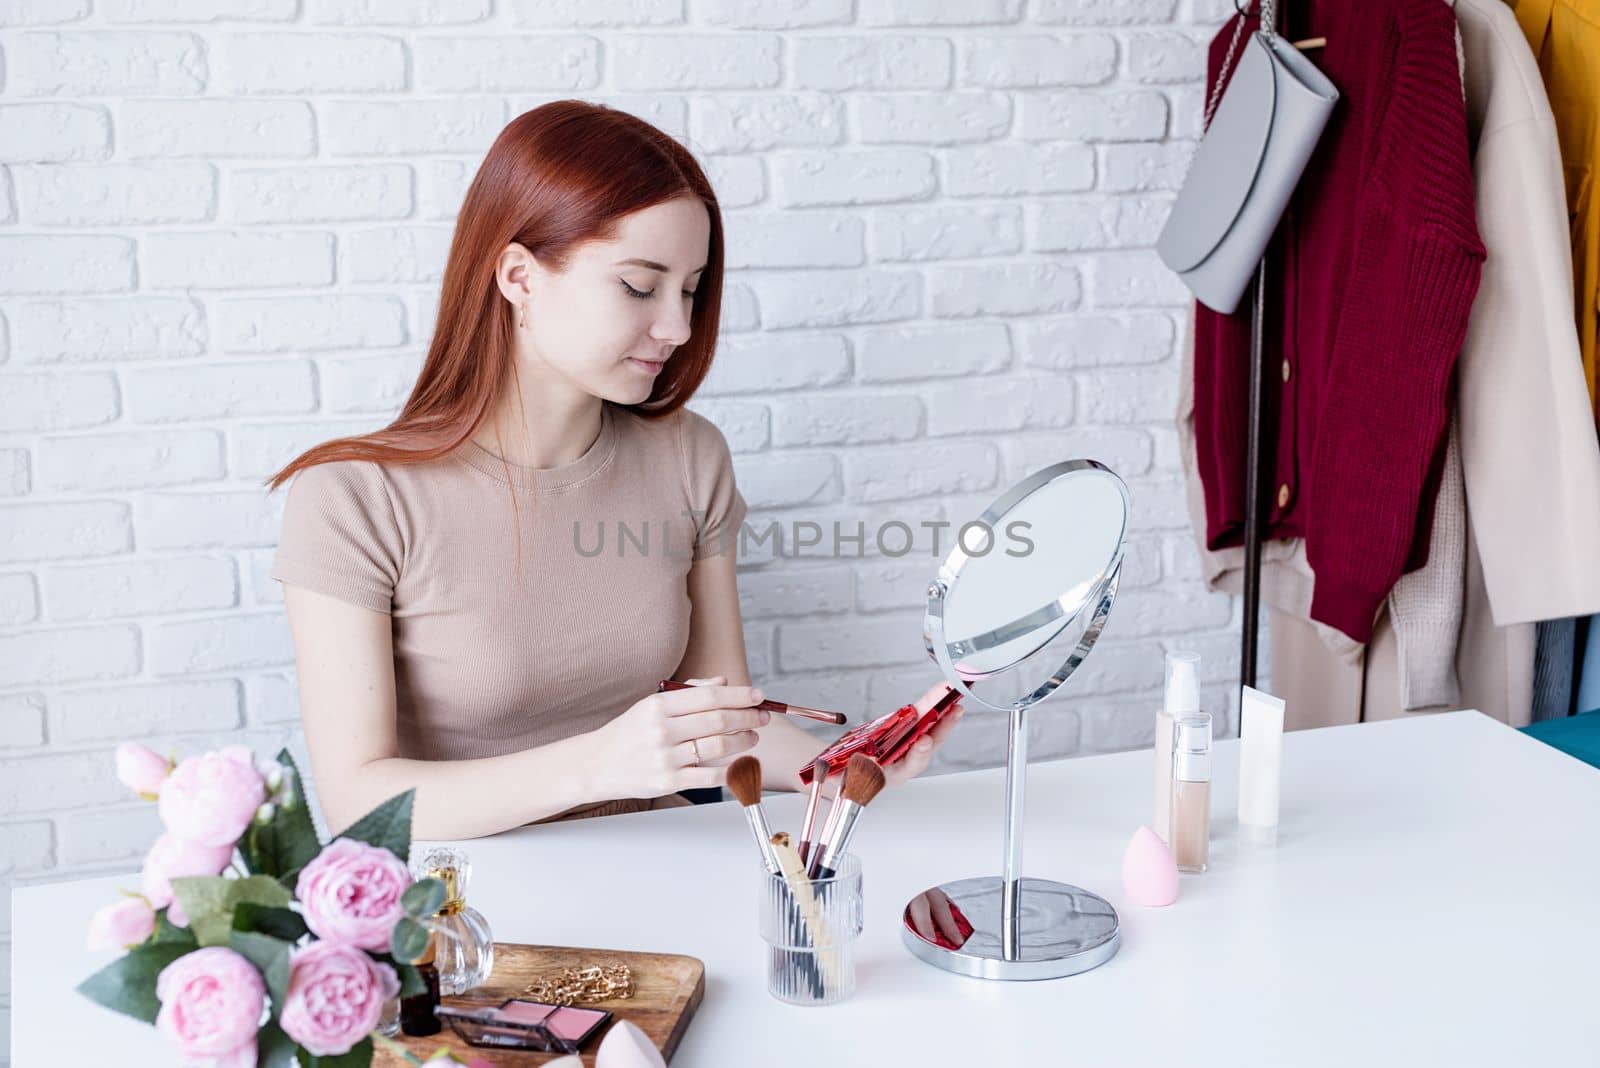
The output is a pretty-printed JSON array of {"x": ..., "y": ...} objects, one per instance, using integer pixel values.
[{"x": 417, "y": 1016}]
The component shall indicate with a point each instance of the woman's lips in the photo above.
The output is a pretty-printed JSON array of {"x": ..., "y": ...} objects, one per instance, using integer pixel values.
[{"x": 647, "y": 366}]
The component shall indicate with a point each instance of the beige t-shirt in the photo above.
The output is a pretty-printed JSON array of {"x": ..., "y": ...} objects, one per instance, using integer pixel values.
[{"x": 493, "y": 655}]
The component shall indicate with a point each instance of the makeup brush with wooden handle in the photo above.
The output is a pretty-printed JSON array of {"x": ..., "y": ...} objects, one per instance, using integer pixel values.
[
  {"x": 863, "y": 781},
  {"x": 821, "y": 715},
  {"x": 744, "y": 780},
  {"x": 810, "y": 912}
]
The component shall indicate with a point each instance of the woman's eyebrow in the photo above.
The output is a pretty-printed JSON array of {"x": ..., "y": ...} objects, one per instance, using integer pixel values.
[{"x": 652, "y": 265}]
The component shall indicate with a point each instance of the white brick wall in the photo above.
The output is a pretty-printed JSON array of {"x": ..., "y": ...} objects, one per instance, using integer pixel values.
[{"x": 222, "y": 224}]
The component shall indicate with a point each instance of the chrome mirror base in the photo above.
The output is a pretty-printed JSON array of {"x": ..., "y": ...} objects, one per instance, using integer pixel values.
[{"x": 1057, "y": 929}]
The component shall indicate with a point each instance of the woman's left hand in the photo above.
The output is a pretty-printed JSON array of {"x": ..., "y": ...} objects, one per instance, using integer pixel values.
[{"x": 916, "y": 761}]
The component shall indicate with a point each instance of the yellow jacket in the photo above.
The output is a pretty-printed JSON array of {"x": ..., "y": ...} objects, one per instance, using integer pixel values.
[{"x": 1565, "y": 36}]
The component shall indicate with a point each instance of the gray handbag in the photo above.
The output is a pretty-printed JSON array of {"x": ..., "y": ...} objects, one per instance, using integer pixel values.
[{"x": 1256, "y": 143}]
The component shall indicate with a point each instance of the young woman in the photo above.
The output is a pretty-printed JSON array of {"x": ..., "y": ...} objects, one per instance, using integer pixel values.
[{"x": 484, "y": 594}]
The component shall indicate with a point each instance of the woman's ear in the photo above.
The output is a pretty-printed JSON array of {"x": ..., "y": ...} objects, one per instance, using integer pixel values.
[{"x": 516, "y": 273}]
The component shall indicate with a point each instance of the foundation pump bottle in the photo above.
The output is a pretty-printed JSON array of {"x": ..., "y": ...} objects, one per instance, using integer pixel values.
[
  {"x": 1182, "y": 699},
  {"x": 1191, "y": 791}
]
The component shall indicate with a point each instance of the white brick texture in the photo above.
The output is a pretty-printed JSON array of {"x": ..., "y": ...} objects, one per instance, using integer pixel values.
[{"x": 222, "y": 229}]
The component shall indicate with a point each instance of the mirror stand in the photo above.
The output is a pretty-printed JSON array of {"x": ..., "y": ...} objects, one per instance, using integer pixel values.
[{"x": 1022, "y": 928}]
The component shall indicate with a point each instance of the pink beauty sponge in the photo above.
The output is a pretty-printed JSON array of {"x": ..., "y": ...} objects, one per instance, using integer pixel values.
[
  {"x": 1149, "y": 874},
  {"x": 625, "y": 1046}
]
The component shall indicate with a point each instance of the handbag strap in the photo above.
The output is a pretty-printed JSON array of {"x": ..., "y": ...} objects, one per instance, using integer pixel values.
[{"x": 1268, "y": 30}]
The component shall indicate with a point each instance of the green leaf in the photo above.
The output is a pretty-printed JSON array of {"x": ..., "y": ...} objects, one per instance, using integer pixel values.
[
  {"x": 169, "y": 933},
  {"x": 270, "y": 956},
  {"x": 290, "y": 880},
  {"x": 388, "y": 826},
  {"x": 286, "y": 924},
  {"x": 278, "y": 982},
  {"x": 398, "y": 1052},
  {"x": 274, "y": 1049},
  {"x": 359, "y": 1056},
  {"x": 128, "y": 984},
  {"x": 289, "y": 841},
  {"x": 411, "y": 983},
  {"x": 210, "y": 901},
  {"x": 259, "y": 949},
  {"x": 423, "y": 898},
  {"x": 409, "y": 940}
]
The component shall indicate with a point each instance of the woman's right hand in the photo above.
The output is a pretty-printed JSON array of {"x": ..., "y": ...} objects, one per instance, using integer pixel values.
[{"x": 677, "y": 739}]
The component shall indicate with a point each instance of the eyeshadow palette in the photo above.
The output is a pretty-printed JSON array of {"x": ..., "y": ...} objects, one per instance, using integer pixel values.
[{"x": 522, "y": 1024}]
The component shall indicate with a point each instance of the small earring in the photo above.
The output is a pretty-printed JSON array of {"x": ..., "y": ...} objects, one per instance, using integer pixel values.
[{"x": 522, "y": 316}]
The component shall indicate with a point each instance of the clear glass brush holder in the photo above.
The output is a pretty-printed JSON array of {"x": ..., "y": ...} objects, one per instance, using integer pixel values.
[{"x": 811, "y": 935}]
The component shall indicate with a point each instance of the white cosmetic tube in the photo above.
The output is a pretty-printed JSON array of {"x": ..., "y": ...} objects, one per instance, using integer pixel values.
[{"x": 1260, "y": 765}]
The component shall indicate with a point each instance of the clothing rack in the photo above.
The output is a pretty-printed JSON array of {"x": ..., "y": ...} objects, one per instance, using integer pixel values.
[
  {"x": 1254, "y": 489},
  {"x": 1253, "y": 484}
]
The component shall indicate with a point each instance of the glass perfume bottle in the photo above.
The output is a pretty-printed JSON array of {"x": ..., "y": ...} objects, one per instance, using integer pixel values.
[
  {"x": 464, "y": 943},
  {"x": 389, "y": 1019}
]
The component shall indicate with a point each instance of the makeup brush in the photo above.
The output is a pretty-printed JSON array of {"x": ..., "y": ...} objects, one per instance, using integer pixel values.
[
  {"x": 821, "y": 715},
  {"x": 744, "y": 779},
  {"x": 819, "y": 775},
  {"x": 863, "y": 781},
  {"x": 810, "y": 911}
]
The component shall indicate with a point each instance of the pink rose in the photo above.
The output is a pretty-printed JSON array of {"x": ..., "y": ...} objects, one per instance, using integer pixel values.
[
  {"x": 211, "y": 1006},
  {"x": 142, "y": 769},
  {"x": 350, "y": 892},
  {"x": 211, "y": 799},
  {"x": 172, "y": 858},
  {"x": 336, "y": 993},
  {"x": 122, "y": 925}
]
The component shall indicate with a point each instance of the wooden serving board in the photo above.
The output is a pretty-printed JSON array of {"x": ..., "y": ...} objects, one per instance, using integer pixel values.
[{"x": 666, "y": 992}]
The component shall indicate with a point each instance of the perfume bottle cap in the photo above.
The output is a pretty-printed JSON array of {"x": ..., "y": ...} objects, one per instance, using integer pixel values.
[
  {"x": 453, "y": 901},
  {"x": 1183, "y": 683},
  {"x": 1191, "y": 748},
  {"x": 452, "y": 868}
]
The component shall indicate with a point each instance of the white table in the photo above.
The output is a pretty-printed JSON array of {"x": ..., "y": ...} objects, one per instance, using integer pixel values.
[{"x": 1434, "y": 899}]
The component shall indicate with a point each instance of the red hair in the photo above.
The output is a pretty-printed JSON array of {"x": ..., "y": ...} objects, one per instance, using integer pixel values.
[{"x": 556, "y": 177}]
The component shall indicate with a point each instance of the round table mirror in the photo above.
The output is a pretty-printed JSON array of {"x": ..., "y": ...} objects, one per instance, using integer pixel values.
[{"x": 1015, "y": 608}]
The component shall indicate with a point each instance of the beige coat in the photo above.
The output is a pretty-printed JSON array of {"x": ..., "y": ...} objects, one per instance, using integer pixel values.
[{"x": 1529, "y": 457}]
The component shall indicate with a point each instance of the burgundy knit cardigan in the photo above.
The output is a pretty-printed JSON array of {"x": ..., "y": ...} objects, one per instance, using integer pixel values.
[{"x": 1373, "y": 271}]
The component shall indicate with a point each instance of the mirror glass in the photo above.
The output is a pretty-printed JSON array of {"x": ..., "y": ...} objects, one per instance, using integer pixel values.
[{"x": 1031, "y": 576}]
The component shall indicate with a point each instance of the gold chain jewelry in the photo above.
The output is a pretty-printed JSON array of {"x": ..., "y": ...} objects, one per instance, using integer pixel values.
[
  {"x": 574, "y": 986},
  {"x": 522, "y": 316}
]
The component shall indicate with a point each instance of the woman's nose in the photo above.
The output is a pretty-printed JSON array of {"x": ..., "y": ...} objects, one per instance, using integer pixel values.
[{"x": 672, "y": 325}]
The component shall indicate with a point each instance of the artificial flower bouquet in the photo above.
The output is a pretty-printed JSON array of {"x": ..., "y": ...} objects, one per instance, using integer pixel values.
[{"x": 250, "y": 942}]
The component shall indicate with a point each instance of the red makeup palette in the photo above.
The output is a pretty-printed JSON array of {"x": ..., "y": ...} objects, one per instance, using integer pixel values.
[
  {"x": 887, "y": 738},
  {"x": 531, "y": 1025}
]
